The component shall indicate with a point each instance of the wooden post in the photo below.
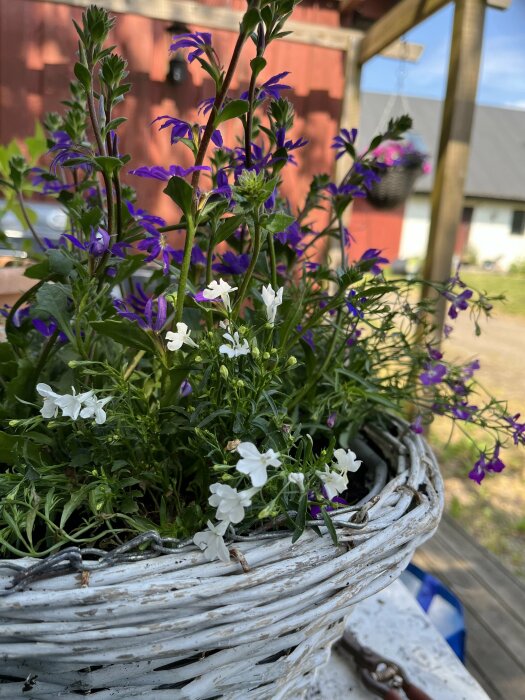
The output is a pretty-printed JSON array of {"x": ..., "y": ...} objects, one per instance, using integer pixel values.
[
  {"x": 351, "y": 100},
  {"x": 453, "y": 154}
]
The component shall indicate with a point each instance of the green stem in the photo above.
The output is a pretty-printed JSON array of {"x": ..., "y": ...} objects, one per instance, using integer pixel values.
[
  {"x": 27, "y": 220},
  {"x": 273, "y": 261},
  {"x": 45, "y": 353},
  {"x": 184, "y": 270},
  {"x": 249, "y": 272}
]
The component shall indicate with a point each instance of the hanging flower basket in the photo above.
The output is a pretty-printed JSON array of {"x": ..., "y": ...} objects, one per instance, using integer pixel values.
[
  {"x": 401, "y": 164},
  {"x": 148, "y": 623}
]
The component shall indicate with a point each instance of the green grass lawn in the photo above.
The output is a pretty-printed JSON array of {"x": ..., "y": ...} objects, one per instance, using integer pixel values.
[{"x": 494, "y": 283}]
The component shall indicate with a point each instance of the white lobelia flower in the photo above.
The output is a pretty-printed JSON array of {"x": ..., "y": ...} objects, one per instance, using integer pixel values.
[
  {"x": 219, "y": 289},
  {"x": 94, "y": 407},
  {"x": 333, "y": 482},
  {"x": 255, "y": 463},
  {"x": 50, "y": 406},
  {"x": 211, "y": 541},
  {"x": 71, "y": 404},
  {"x": 229, "y": 502},
  {"x": 180, "y": 338},
  {"x": 236, "y": 348},
  {"x": 346, "y": 461},
  {"x": 272, "y": 300},
  {"x": 296, "y": 478}
]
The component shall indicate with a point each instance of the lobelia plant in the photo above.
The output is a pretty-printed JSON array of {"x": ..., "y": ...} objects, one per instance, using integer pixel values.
[{"x": 220, "y": 391}]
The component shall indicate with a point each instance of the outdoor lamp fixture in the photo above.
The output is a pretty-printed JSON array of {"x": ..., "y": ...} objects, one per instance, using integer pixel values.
[{"x": 177, "y": 67}]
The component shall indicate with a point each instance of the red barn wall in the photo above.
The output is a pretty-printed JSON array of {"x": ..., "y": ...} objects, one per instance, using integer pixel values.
[
  {"x": 37, "y": 48},
  {"x": 374, "y": 228}
]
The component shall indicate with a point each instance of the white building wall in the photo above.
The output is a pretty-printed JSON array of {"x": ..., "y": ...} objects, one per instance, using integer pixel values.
[{"x": 490, "y": 232}]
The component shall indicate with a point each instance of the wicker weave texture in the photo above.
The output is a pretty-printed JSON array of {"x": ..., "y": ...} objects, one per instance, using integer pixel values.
[{"x": 178, "y": 627}]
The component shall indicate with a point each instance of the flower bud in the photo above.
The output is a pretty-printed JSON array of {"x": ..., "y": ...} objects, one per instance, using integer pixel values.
[
  {"x": 197, "y": 358},
  {"x": 266, "y": 355},
  {"x": 256, "y": 353},
  {"x": 223, "y": 370},
  {"x": 239, "y": 383},
  {"x": 291, "y": 361}
]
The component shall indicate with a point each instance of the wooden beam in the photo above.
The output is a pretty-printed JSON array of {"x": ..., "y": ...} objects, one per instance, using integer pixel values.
[
  {"x": 405, "y": 15},
  {"x": 403, "y": 51},
  {"x": 350, "y": 103},
  {"x": 453, "y": 154},
  {"x": 191, "y": 12},
  {"x": 499, "y": 4}
]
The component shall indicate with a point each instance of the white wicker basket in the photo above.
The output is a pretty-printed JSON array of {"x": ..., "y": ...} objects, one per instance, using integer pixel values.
[{"x": 178, "y": 627}]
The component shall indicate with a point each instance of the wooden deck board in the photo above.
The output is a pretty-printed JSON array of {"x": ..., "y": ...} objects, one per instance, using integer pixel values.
[{"x": 494, "y": 603}]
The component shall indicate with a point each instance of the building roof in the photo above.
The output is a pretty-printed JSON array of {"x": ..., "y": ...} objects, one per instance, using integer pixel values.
[{"x": 497, "y": 156}]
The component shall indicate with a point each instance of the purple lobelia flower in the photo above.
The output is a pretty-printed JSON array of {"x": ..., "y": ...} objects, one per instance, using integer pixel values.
[
  {"x": 433, "y": 374},
  {"x": 179, "y": 128},
  {"x": 50, "y": 183},
  {"x": 157, "y": 246},
  {"x": 352, "y": 308},
  {"x": 308, "y": 336},
  {"x": 353, "y": 337},
  {"x": 64, "y": 149},
  {"x": 198, "y": 41},
  {"x": 417, "y": 425},
  {"x": 315, "y": 510},
  {"x": 147, "y": 221},
  {"x": 151, "y": 319},
  {"x": 330, "y": 421},
  {"x": 470, "y": 368},
  {"x": 345, "y": 190},
  {"x": 197, "y": 256},
  {"x": 185, "y": 388},
  {"x": 484, "y": 465},
  {"x": 458, "y": 302},
  {"x": 157, "y": 172},
  {"x": 292, "y": 237},
  {"x": 18, "y": 316},
  {"x": 288, "y": 144},
  {"x": 206, "y": 105},
  {"x": 373, "y": 255},
  {"x": 97, "y": 245},
  {"x": 48, "y": 329},
  {"x": 344, "y": 139},
  {"x": 271, "y": 88},
  {"x": 232, "y": 264},
  {"x": 462, "y": 410},
  {"x": 517, "y": 428},
  {"x": 434, "y": 353}
]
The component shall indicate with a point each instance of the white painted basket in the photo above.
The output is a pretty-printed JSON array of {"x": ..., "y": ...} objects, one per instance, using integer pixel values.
[{"x": 175, "y": 626}]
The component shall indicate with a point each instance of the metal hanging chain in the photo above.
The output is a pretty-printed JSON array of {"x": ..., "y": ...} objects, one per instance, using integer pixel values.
[{"x": 399, "y": 94}]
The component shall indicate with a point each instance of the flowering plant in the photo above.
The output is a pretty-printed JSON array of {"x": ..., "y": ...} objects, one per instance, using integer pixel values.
[
  {"x": 402, "y": 153},
  {"x": 222, "y": 389}
]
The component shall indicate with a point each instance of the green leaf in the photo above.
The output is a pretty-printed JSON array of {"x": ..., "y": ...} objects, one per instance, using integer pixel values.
[
  {"x": 114, "y": 124},
  {"x": 300, "y": 519},
  {"x": 8, "y": 445},
  {"x": 126, "y": 334},
  {"x": 83, "y": 75},
  {"x": 59, "y": 262},
  {"x": 275, "y": 223},
  {"x": 108, "y": 164},
  {"x": 37, "y": 144},
  {"x": 38, "y": 271},
  {"x": 257, "y": 64},
  {"x": 52, "y": 299},
  {"x": 233, "y": 109},
  {"x": 227, "y": 227},
  {"x": 250, "y": 20},
  {"x": 329, "y": 525},
  {"x": 181, "y": 192}
]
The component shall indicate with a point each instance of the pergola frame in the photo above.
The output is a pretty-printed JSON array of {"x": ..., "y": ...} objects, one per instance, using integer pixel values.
[{"x": 360, "y": 46}]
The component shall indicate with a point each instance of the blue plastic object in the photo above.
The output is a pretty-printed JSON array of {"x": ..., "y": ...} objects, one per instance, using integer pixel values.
[{"x": 441, "y": 605}]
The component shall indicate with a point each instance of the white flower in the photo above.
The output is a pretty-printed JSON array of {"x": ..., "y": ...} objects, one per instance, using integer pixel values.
[
  {"x": 211, "y": 541},
  {"x": 94, "y": 407},
  {"x": 219, "y": 289},
  {"x": 50, "y": 406},
  {"x": 346, "y": 461},
  {"x": 236, "y": 348},
  {"x": 333, "y": 482},
  {"x": 255, "y": 463},
  {"x": 180, "y": 338},
  {"x": 71, "y": 404},
  {"x": 229, "y": 502},
  {"x": 272, "y": 300},
  {"x": 296, "y": 478}
]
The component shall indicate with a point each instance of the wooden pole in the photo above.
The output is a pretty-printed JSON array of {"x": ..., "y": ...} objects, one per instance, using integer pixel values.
[
  {"x": 454, "y": 144},
  {"x": 351, "y": 100}
]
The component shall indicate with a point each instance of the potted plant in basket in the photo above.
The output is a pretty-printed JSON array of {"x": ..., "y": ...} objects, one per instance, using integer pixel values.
[
  {"x": 205, "y": 467},
  {"x": 399, "y": 163}
]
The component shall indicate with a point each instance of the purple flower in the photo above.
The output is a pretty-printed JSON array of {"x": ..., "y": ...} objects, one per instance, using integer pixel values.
[
  {"x": 271, "y": 88},
  {"x": 97, "y": 245},
  {"x": 47, "y": 329},
  {"x": 482, "y": 466},
  {"x": 151, "y": 321},
  {"x": 50, "y": 183},
  {"x": 345, "y": 190},
  {"x": 158, "y": 246},
  {"x": 352, "y": 309},
  {"x": 179, "y": 128},
  {"x": 470, "y": 368},
  {"x": 308, "y": 337},
  {"x": 459, "y": 302},
  {"x": 291, "y": 236},
  {"x": 223, "y": 186},
  {"x": 185, "y": 388},
  {"x": 157, "y": 172},
  {"x": 330, "y": 421},
  {"x": 434, "y": 354},
  {"x": 463, "y": 411},
  {"x": 197, "y": 256},
  {"x": 147, "y": 221},
  {"x": 434, "y": 374},
  {"x": 374, "y": 255},
  {"x": 64, "y": 149},
  {"x": 200, "y": 41},
  {"x": 517, "y": 427},
  {"x": 206, "y": 105},
  {"x": 447, "y": 330},
  {"x": 19, "y": 315},
  {"x": 315, "y": 510},
  {"x": 353, "y": 337},
  {"x": 417, "y": 425},
  {"x": 342, "y": 140},
  {"x": 477, "y": 474},
  {"x": 288, "y": 145},
  {"x": 232, "y": 264}
]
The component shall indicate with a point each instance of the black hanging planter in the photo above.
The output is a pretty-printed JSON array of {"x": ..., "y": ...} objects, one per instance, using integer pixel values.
[{"x": 396, "y": 183}]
